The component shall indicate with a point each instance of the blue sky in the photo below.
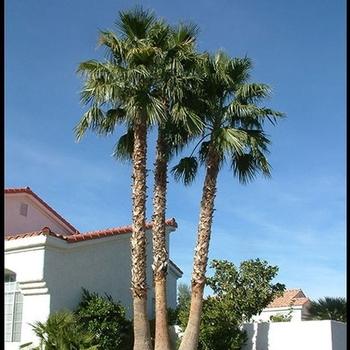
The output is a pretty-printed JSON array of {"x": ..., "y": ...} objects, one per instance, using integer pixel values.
[{"x": 296, "y": 220}]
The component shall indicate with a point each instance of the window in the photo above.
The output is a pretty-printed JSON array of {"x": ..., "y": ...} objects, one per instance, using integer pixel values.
[
  {"x": 13, "y": 308},
  {"x": 23, "y": 209}
]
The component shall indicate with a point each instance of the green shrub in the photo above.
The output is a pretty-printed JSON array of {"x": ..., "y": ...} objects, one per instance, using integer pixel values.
[
  {"x": 106, "y": 319},
  {"x": 61, "y": 331}
]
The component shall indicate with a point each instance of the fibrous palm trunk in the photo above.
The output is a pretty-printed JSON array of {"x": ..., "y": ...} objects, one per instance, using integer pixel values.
[
  {"x": 142, "y": 337},
  {"x": 191, "y": 335},
  {"x": 160, "y": 254}
]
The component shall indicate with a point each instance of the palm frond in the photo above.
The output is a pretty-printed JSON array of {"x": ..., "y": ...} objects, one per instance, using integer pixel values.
[
  {"x": 246, "y": 167},
  {"x": 124, "y": 147},
  {"x": 329, "y": 308},
  {"x": 91, "y": 120},
  {"x": 135, "y": 23},
  {"x": 185, "y": 170}
]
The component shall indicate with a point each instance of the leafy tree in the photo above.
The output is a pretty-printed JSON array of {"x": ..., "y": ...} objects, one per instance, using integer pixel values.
[
  {"x": 61, "y": 331},
  {"x": 183, "y": 304},
  {"x": 219, "y": 329},
  {"x": 234, "y": 133},
  {"x": 106, "y": 320},
  {"x": 184, "y": 297},
  {"x": 238, "y": 294},
  {"x": 248, "y": 288},
  {"x": 329, "y": 308}
]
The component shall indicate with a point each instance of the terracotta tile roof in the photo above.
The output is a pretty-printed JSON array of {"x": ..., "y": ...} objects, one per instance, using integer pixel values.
[
  {"x": 80, "y": 237},
  {"x": 27, "y": 190},
  {"x": 294, "y": 297}
]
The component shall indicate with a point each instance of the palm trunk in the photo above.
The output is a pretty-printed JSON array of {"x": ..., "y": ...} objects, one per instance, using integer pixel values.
[
  {"x": 142, "y": 337},
  {"x": 160, "y": 254},
  {"x": 162, "y": 337},
  {"x": 191, "y": 335}
]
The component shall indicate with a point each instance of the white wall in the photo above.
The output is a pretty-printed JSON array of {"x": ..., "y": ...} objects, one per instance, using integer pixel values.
[
  {"x": 298, "y": 313},
  {"x": 172, "y": 277},
  {"x": 51, "y": 274},
  {"x": 306, "y": 335}
]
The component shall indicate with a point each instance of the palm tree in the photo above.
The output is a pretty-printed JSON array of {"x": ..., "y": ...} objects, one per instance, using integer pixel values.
[
  {"x": 181, "y": 125},
  {"x": 119, "y": 91},
  {"x": 328, "y": 308},
  {"x": 146, "y": 82},
  {"x": 174, "y": 84},
  {"x": 61, "y": 332},
  {"x": 234, "y": 133},
  {"x": 184, "y": 296}
]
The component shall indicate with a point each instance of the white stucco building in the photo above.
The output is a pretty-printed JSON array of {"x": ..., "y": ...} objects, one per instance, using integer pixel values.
[
  {"x": 48, "y": 262},
  {"x": 293, "y": 303}
]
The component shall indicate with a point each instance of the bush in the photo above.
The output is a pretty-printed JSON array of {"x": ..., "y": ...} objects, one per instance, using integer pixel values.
[
  {"x": 106, "y": 319},
  {"x": 219, "y": 329},
  {"x": 61, "y": 331}
]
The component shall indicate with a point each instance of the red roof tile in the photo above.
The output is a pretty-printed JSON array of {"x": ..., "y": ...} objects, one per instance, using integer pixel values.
[
  {"x": 291, "y": 297},
  {"x": 80, "y": 237}
]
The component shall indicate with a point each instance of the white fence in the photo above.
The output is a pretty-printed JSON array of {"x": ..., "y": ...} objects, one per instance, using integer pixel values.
[{"x": 303, "y": 335}]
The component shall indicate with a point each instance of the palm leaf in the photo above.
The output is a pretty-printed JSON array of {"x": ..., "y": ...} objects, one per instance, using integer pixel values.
[{"x": 185, "y": 170}]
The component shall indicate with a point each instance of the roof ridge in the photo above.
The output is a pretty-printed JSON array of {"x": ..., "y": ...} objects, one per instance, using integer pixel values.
[
  {"x": 78, "y": 237},
  {"x": 169, "y": 222}
]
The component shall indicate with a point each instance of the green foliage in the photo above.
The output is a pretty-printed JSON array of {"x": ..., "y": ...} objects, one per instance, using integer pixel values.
[
  {"x": 247, "y": 290},
  {"x": 173, "y": 315},
  {"x": 98, "y": 323},
  {"x": 219, "y": 329},
  {"x": 184, "y": 296},
  {"x": 239, "y": 294},
  {"x": 282, "y": 317},
  {"x": 172, "y": 320},
  {"x": 329, "y": 308},
  {"x": 61, "y": 331},
  {"x": 183, "y": 304},
  {"x": 106, "y": 320}
]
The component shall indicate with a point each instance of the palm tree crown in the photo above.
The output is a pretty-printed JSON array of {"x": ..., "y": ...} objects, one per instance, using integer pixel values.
[{"x": 329, "y": 308}]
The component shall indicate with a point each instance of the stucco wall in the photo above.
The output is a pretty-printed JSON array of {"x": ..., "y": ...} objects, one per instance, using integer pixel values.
[
  {"x": 306, "y": 335},
  {"x": 297, "y": 313},
  {"x": 52, "y": 273}
]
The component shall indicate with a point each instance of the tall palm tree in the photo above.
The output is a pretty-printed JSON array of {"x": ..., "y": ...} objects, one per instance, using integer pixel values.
[
  {"x": 328, "y": 308},
  {"x": 119, "y": 91},
  {"x": 174, "y": 84},
  {"x": 233, "y": 133}
]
